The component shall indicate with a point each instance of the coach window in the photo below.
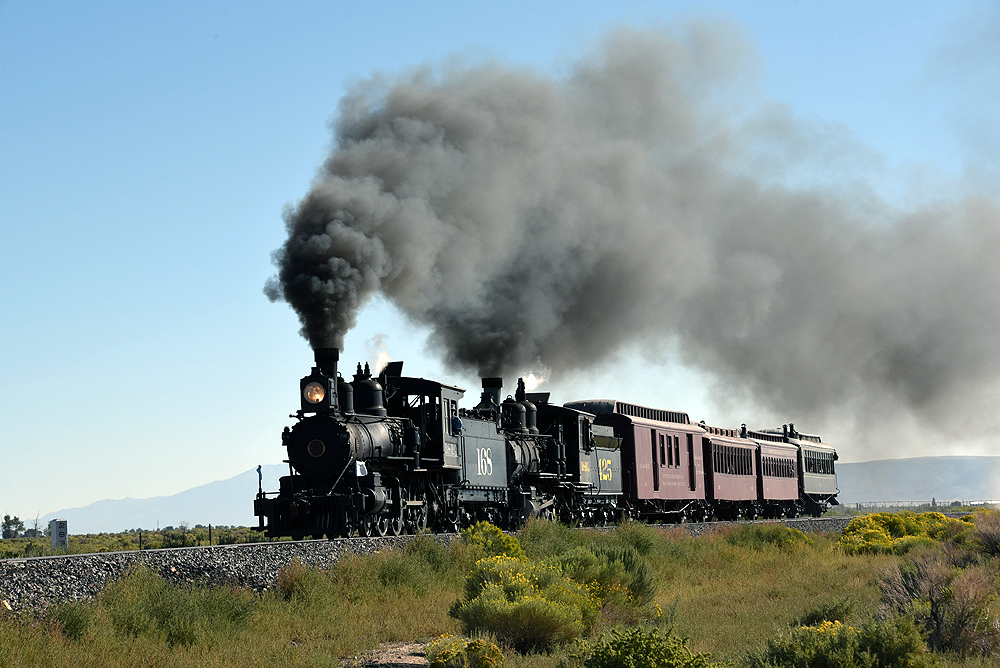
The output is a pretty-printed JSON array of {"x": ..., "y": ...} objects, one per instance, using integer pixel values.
[
  {"x": 677, "y": 450},
  {"x": 663, "y": 454},
  {"x": 656, "y": 469}
]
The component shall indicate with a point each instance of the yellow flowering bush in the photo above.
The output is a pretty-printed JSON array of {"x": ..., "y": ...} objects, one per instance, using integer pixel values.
[
  {"x": 449, "y": 651},
  {"x": 532, "y": 605},
  {"x": 881, "y": 644},
  {"x": 490, "y": 541},
  {"x": 639, "y": 648},
  {"x": 527, "y": 606},
  {"x": 884, "y": 533}
]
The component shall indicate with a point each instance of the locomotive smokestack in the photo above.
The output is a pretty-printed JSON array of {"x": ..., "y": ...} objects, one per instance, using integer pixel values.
[
  {"x": 326, "y": 360},
  {"x": 492, "y": 387}
]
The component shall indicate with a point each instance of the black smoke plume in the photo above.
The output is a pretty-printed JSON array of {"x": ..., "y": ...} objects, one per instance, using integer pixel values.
[{"x": 525, "y": 217}]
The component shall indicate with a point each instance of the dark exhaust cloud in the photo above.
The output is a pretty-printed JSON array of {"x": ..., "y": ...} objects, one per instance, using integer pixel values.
[{"x": 526, "y": 217}]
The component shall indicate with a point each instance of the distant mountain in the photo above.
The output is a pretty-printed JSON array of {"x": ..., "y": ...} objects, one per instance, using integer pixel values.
[
  {"x": 920, "y": 479},
  {"x": 223, "y": 502},
  {"x": 230, "y": 502}
]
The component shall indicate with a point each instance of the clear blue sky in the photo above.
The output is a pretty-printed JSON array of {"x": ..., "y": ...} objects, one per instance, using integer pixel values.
[{"x": 147, "y": 150}]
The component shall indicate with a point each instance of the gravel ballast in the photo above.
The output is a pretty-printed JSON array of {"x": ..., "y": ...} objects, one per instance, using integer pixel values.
[{"x": 39, "y": 581}]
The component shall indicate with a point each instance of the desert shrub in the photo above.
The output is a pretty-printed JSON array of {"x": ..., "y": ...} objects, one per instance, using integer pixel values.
[
  {"x": 73, "y": 618},
  {"x": 986, "y": 537},
  {"x": 833, "y": 610},
  {"x": 952, "y": 605},
  {"x": 430, "y": 552},
  {"x": 542, "y": 538},
  {"x": 641, "y": 648},
  {"x": 296, "y": 580},
  {"x": 879, "y": 533},
  {"x": 759, "y": 536},
  {"x": 525, "y": 605},
  {"x": 525, "y": 624},
  {"x": 614, "y": 575},
  {"x": 144, "y": 604},
  {"x": 637, "y": 535},
  {"x": 450, "y": 651},
  {"x": 419, "y": 570},
  {"x": 910, "y": 543},
  {"x": 396, "y": 571},
  {"x": 894, "y": 643},
  {"x": 490, "y": 541}
]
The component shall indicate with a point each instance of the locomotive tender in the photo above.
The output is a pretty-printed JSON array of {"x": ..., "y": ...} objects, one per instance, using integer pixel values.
[{"x": 392, "y": 454}]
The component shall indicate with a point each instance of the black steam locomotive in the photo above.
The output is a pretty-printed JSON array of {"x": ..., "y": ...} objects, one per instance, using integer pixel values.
[{"x": 392, "y": 455}]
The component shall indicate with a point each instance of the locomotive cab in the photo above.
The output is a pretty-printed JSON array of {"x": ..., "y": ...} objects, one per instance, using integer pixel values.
[{"x": 432, "y": 408}]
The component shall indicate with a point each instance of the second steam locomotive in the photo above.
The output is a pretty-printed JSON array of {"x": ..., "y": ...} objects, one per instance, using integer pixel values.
[{"x": 389, "y": 454}]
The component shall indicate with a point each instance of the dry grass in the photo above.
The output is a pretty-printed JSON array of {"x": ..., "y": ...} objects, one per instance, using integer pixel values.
[{"x": 730, "y": 598}]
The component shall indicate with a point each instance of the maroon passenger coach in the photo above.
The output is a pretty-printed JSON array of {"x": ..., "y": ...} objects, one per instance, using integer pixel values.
[{"x": 664, "y": 475}]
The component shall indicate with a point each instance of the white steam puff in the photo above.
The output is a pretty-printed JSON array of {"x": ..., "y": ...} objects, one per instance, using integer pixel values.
[{"x": 525, "y": 217}]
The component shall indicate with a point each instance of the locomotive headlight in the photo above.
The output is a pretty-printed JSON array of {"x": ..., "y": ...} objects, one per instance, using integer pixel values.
[{"x": 314, "y": 393}]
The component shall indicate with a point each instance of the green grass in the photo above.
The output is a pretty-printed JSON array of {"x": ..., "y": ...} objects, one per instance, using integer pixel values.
[{"x": 729, "y": 592}]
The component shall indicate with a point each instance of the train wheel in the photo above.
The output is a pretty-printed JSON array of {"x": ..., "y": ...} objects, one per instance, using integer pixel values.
[
  {"x": 365, "y": 530},
  {"x": 380, "y": 523},
  {"x": 417, "y": 520},
  {"x": 396, "y": 526}
]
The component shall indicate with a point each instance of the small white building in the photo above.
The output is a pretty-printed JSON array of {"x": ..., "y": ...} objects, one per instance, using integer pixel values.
[{"x": 59, "y": 534}]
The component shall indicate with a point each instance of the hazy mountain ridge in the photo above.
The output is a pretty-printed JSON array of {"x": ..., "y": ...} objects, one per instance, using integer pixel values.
[
  {"x": 230, "y": 502},
  {"x": 920, "y": 479},
  {"x": 221, "y": 503}
]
